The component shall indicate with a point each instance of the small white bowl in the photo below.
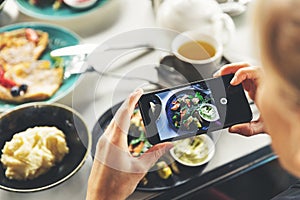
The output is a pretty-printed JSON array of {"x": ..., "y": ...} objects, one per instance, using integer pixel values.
[
  {"x": 208, "y": 145},
  {"x": 80, "y": 4}
]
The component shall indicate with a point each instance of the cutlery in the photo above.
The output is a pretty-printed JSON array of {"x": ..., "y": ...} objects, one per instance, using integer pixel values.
[
  {"x": 88, "y": 48},
  {"x": 77, "y": 69},
  {"x": 73, "y": 50}
]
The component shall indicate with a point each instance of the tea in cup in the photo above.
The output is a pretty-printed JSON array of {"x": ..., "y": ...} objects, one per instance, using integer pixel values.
[{"x": 202, "y": 51}]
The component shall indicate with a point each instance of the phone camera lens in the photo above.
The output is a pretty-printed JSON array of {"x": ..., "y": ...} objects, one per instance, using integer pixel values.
[{"x": 223, "y": 101}]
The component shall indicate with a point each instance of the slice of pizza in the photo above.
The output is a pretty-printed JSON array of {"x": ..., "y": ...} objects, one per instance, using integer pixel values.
[
  {"x": 30, "y": 81},
  {"x": 21, "y": 45}
]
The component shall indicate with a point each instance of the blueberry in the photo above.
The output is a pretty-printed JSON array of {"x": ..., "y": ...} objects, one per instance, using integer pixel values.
[
  {"x": 23, "y": 87},
  {"x": 15, "y": 91}
]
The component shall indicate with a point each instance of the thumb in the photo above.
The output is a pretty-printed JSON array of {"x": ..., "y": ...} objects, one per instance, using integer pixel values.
[
  {"x": 154, "y": 153},
  {"x": 249, "y": 129}
]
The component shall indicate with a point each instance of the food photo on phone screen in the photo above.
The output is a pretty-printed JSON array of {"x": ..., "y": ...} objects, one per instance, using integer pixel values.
[{"x": 192, "y": 109}]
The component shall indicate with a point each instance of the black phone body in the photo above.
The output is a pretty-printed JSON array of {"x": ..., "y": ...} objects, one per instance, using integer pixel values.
[{"x": 192, "y": 109}]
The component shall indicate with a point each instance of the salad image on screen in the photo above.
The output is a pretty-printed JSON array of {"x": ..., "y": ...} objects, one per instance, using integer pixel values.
[
  {"x": 186, "y": 110},
  {"x": 191, "y": 111}
]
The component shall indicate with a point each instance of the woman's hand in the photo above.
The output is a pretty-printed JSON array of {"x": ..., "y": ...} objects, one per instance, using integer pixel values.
[
  {"x": 115, "y": 172},
  {"x": 251, "y": 79}
]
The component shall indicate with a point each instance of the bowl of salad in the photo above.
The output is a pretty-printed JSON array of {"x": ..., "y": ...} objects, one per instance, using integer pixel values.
[{"x": 184, "y": 109}]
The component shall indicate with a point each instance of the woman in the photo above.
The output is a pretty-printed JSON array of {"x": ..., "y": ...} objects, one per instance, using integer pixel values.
[{"x": 275, "y": 88}]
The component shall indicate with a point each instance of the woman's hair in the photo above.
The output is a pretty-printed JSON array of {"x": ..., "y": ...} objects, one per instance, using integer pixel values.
[{"x": 278, "y": 23}]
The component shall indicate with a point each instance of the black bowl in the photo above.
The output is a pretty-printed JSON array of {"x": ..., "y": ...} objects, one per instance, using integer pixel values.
[{"x": 44, "y": 114}]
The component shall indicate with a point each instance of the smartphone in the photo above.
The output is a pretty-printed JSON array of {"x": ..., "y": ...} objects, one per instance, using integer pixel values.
[{"x": 192, "y": 109}]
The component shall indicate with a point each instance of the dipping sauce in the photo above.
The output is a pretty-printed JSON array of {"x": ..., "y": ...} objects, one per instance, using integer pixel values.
[{"x": 191, "y": 150}]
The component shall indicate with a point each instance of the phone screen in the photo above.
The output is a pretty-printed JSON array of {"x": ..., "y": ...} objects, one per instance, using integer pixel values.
[{"x": 192, "y": 109}]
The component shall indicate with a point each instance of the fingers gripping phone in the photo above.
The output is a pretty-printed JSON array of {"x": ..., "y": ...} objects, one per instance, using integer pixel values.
[{"x": 192, "y": 109}]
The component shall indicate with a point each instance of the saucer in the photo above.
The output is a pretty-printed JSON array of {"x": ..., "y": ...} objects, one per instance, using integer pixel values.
[
  {"x": 9, "y": 13},
  {"x": 172, "y": 71}
]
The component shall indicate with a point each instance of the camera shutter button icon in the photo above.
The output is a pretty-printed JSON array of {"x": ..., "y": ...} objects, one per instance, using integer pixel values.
[{"x": 223, "y": 101}]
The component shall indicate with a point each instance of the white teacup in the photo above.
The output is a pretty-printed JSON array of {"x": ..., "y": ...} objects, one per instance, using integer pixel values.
[{"x": 188, "y": 45}]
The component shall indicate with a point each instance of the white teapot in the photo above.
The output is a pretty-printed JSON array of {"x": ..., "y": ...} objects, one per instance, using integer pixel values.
[{"x": 202, "y": 15}]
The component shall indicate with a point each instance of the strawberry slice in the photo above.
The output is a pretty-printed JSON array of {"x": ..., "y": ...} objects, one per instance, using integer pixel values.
[
  {"x": 7, "y": 83},
  {"x": 4, "y": 81},
  {"x": 31, "y": 35}
]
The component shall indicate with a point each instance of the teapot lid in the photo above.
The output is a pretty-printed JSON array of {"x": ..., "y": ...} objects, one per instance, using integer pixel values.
[
  {"x": 182, "y": 14},
  {"x": 191, "y": 9}
]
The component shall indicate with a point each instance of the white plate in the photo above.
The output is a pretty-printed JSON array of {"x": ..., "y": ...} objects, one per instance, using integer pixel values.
[{"x": 208, "y": 143}]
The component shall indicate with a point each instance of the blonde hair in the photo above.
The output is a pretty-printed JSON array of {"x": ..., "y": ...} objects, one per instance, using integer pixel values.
[{"x": 278, "y": 23}]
